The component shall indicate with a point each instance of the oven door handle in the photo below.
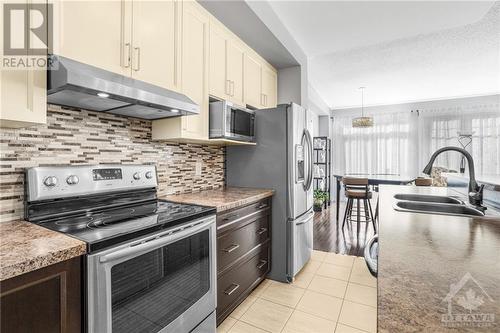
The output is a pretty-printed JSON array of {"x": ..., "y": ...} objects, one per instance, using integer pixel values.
[{"x": 156, "y": 241}]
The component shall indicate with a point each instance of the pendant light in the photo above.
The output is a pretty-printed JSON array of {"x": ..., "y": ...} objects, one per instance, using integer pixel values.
[{"x": 362, "y": 121}]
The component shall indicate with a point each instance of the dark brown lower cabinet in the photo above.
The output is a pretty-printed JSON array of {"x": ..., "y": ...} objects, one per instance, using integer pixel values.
[
  {"x": 243, "y": 253},
  {"x": 47, "y": 300}
]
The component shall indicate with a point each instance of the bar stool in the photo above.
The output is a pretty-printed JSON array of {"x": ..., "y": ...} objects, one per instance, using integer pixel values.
[{"x": 357, "y": 189}]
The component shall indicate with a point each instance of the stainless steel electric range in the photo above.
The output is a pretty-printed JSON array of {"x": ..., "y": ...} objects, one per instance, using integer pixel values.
[{"x": 150, "y": 265}]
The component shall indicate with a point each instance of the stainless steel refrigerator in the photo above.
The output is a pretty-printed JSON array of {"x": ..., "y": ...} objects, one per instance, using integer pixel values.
[{"x": 282, "y": 160}]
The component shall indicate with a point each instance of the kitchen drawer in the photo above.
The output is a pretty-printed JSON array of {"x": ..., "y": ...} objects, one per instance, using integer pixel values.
[
  {"x": 227, "y": 219},
  {"x": 233, "y": 245},
  {"x": 233, "y": 287}
]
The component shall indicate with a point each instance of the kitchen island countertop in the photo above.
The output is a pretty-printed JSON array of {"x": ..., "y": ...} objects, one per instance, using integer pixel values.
[
  {"x": 224, "y": 198},
  {"x": 25, "y": 247},
  {"x": 429, "y": 266}
]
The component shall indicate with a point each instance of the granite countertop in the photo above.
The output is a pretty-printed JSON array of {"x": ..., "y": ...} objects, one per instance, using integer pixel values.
[
  {"x": 427, "y": 260},
  {"x": 483, "y": 179},
  {"x": 224, "y": 198},
  {"x": 25, "y": 247}
]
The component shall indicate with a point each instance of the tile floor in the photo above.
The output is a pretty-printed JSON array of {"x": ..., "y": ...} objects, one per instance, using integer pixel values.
[{"x": 332, "y": 294}]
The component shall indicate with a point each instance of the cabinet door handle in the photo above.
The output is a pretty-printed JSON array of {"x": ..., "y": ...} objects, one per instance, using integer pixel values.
[
  {"x": 228, "y": 87},
  {"x": 138, "y": 59},
  {"x": 261, "y": 231},
  {"x": 261, "y": 264},
  {"x": 231, "y": 289},
  {"x": 262, "y": 99},
  {"x": 262, "y": 205},
  {"x": 265, "y": 99},
  {"x": 231, "y": 248},
  {"x": 126, "y": 54},
  {"x": 232, "y": 88}
]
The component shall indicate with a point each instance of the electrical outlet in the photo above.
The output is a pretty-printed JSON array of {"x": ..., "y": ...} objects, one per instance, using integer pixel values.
[{"x": 197, "y": 168}]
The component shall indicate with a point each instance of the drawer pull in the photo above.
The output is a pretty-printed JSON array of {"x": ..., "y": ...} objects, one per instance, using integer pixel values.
[
  {"x": 261, "y": 231},
  {"x": 232, "y": 289},
  {"x": 261, "y": 264},
  {"x": 231, "y": 248},
  {"x": 262, "y": 205}
]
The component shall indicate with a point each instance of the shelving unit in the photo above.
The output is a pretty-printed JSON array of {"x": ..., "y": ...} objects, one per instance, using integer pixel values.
[{"x": 322, "y": 159}]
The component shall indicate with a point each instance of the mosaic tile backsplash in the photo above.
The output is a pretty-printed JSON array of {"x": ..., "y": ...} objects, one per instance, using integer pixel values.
[{"x": 84, "y": 137}]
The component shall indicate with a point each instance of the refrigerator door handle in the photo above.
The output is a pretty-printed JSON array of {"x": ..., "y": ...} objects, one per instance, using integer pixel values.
[
  {"x": 309, "y": 160},
  {"x": 306, "y": 220}
]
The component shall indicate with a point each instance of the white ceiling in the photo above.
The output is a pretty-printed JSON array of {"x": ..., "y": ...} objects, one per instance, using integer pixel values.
[{"x": 400, "y": 50}]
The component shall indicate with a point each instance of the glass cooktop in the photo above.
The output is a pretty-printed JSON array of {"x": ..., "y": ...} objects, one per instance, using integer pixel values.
[{"x": 107, "y": 227}]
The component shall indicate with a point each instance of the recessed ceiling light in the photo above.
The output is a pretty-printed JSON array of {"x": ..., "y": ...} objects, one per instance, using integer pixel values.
[
  {"x": 174, "y": 110},
  {"x": 103, "y": 95}
]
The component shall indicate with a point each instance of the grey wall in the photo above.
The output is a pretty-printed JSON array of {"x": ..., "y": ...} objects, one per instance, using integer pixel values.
[
  {"x": 289, "y": 86},
  {"x": 324, "y": 126}
]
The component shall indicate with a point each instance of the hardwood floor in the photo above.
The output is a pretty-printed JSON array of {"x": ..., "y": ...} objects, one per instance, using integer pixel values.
[{"x": 328, "y": 236}]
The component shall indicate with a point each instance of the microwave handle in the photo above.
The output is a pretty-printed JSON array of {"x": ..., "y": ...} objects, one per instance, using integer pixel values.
[{"x": 155, "y": 242}]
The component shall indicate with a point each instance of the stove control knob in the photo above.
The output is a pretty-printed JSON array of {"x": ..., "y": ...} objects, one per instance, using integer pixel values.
[
  {"x": 149, "y": 175},
  {"x": 50, "y": 181},
  {"x": 137, "y": 176},
  {"x": 72, "y": 180}
]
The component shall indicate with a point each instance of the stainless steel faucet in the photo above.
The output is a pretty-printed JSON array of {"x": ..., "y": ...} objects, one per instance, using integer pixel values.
[{"x": 475, "y": 191}]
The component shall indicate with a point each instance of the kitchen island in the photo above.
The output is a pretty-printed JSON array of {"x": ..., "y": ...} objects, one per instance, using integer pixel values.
[{"x": 434, "y": 268}]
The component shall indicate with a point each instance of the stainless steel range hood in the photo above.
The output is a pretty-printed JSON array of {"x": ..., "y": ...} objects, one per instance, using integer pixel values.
[{"x": 72, "y": 83}]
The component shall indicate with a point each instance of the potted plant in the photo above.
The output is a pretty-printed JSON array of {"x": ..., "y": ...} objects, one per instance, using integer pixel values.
[{"x": 319, "y": 199}]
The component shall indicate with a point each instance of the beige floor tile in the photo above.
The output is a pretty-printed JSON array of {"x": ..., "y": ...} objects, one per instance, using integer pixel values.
[
  {"x": 301, "y": 322},
  {"x": 318, "y": 255},
  {"x": 243, "y": 307},
  {"x": 226, "y": 325},
  {"x": 328, "y": 286},
  {"x": 347, "y": 329},
  {"x": 339, "y": 259},
  {"x": 266, "y": 283},
  {"x": 302, "y": 279},
  {"x": 361, "y": 275},
  {"x": 311, "y": 267},
  {"x": 359, "y": 316},
  {"x": 321, "y": 305},
  {"x": 241, "y": 327},
  {"x": 334, "y": 271},
  {"x": 267, "y": 315},
  {"x": 283, "y": 293},
  {"x": 361, "y": 294}
]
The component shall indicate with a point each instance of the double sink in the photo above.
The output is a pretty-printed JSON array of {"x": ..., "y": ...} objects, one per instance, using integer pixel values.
[{"x": 434, "y": 204}]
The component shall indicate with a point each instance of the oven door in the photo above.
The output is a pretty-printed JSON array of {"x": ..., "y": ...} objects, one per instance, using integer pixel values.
[
  {"x": 161, "y": 283},
  {"x": 239, "y": 123}
]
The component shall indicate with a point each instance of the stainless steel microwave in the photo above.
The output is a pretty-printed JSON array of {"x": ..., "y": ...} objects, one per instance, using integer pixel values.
[{"x": 228, "y": 121}]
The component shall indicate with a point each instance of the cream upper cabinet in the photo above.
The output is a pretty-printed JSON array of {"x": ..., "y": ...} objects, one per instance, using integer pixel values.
[
  {"x": 226, "y": 64},
  {"x": 195, "y": 29},
  {"x": 269, "y": 87},
  {"x": 23, "y": 98},
  {"x": 253, "y": 80},
  {"x": 218, "y": 81},
  {"x": 154, "y": 50},
  {"x": 23, "y": 94},
  {"x": 194, "y": 76},
  {"x": 234, "y": 70},
  {"x": 260, "y": 82},
  {"x": 133, "y": 38},
  {"x": 97, "y": 33}
]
